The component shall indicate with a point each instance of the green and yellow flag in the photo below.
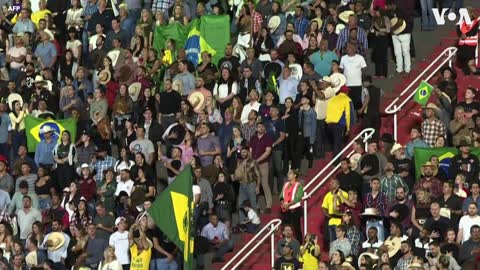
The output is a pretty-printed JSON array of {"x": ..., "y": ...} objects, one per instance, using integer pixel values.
[
  {"x": 172, "y": 212},
  {"x": 422, "y": 95},
  {"x": 33, "y": 126},
  {"x": 444, "y": 154}
]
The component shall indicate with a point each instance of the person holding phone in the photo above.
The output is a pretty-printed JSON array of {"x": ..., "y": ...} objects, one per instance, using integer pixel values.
[{"x": 309, "y": 252}]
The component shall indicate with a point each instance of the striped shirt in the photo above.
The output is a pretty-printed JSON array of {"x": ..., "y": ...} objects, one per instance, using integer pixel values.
[
  {"x": 343, "y": 38},
  {"x": 301, "y": 25},
  {"x": 389, "y": 185}
]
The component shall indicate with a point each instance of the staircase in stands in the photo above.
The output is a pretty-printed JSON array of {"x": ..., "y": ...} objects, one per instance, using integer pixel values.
[{"x": 409, "y": 116}]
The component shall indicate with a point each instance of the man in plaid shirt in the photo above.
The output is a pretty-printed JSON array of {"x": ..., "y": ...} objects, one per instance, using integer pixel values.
[
  {"x": 353, "y": 233},
  {"x": 101, "y": 162},
  {"x": 390, "y": 182},
  {"x": 407, "y": 257},
  {"x": 256, "y": 17},
  {"x": 432, "y": 128}
]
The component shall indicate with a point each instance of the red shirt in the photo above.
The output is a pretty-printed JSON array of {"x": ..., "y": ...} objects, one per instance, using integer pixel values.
[
  {"x": 259, "y": 146},
  {"x": 88, "y": 188}
]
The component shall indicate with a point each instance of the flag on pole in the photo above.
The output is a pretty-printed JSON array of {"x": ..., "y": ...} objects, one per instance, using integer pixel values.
[
  {"x": 423, "y": 92},
  {"x": 33, "y": 126},
  {"x": 195, "y": 45},
  {"x": 172, "y": 212},
  {"x": 215, "y": 30}
]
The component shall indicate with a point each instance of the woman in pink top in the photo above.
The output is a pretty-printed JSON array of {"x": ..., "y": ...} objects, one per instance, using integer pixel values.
[{"x": 187, "y": 148}]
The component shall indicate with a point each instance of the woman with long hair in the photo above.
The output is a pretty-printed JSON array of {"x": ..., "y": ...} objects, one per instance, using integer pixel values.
[
  {"x": 381, "y": 27},
  {"x": 235, "y": 146},
  {"x": 99, "y": 102},
  {"x": 138, "y": 46},
  {"x": 74, "y": 16},
  {"x": 17, "y": 121},
  {"x": 68, "y": 66},
  {"x": 146, "y": 24},
  {"x": 147, "y": 100},
  {"x": 87, "y": 184},
  {"x": 290, "y": 117},
  {"x": 122, "y": 112},
  {"x": 307, "y": 126},
  {"x": 244, "y": 23},
  {"x": 71, "y": 198},
  {"x": 81, "y": 215},
  {"x": 312, "y": 47},
  {"x": 223, "y": 198},
  {"x": 37, "y": 233},
  {"x": 5, "y": 239},
  {"x": 225, "y": 89},
  {"x": 106, "y": 191},
  {"x": 187, "y": 147},
  {"x": 79, "y": 241},
  {"x": 179, "y": 15},
  {"x": 44, "y": 187},
  {"x": 214, "y": 116},
  {"x": 144, "y": 184},
  {"x": 155, "y": 68},
  {"x": 450, "y": 245},
  {"x": 74, "y": 44},
  {"x": 186, "y": 111},
  {"x": 263, "y": 44},
  {"x": 109, "y": 261},
  {"x": 237, "y": 107},
  {"x": 111, "y": 87},
  {"x": 65, "y": 156},
  {"x": 336, "y": 259},
  {"x": 124, "y": 162},
  {"x": 420, "y": 211}
]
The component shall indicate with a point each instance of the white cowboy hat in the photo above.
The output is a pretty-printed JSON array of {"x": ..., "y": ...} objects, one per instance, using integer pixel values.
[
  {"x": 373, "y": 256},
  {"x": 395, "y": 147},
  {"x": 14, "y": 97},
  {"x": 339, "y": 28},
  {"x": 274, "y": 23},
  {"x": 398, "y": 24},
  {"x": 46, "y": 129},
  {"x": 354, "y": 160},
  {"x": 134, "y": 90},
  {"x": 50, "y": 34},
  {"x": 57, "y": 239},
  {"x": 297, "y": 71},
  {"x": 347, "y": 265},
  {"x": 338, "y": 80},
  {"x": 344, "y": 16},
  {"x": 369, "y": 212},
  {"x": 197, "y": 100},
  {"x": 113, "y": 55},
  {"x": 104, "y": 76},
  {"x": 39, "y": 79},
  {"x": 83, "y": 166}
]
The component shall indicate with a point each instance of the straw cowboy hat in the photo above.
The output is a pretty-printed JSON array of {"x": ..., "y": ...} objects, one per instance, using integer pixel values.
[
  {"x": 50, "y": 34},
  {"x": 347, "y": 265},
  {"x": 134, "y": 90},
  {"x": 354, "y": 160},
  {"x": 344, "y": 16},
  {"x": 398, "y": 24},
  {"x": 113, "y": 55},
  {"x": 395, "y": 147},
  {"x": 415, "y": 266},
  {"x": 432, "y": 106},
  {"x": 14, "y": 97},
  {"x": 429, "y": 164},
  {"x": 104, "y": 76},
  {"x": 57, "y": 240},
  {"x": 197, "y": 100},
  {"x": 465, "y": 141},
  {"x": 125, "y": 71},
  {"x": 31, "y": 259},
  {"x": 369, "y": 212},
  {"x": 274, "y": 23},
  {"x": 46, "y": 129}
]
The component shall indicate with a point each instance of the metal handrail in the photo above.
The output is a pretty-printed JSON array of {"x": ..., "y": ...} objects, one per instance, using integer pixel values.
[
  {"x": 393, "y": 107},
  {"x": 366, "y": 134},
  {"x": 273, "y": 226}
]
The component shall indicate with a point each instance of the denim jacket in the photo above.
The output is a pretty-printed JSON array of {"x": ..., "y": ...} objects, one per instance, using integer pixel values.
[{"x": 309, "y": 125}]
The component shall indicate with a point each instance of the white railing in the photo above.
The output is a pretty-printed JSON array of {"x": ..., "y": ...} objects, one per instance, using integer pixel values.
[
  {"x": 365, "y": 134},
  {"x": 272, "y": 226},
  {"x": 409, "y": 92}
]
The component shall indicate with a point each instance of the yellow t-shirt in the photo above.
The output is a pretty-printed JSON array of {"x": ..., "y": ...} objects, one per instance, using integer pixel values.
[
  {"x": 140, "y": 261},
  {"x": 310, "y": 262},
  {"x": 328, "y": 204},
  {"x": 38, "y": 15}
]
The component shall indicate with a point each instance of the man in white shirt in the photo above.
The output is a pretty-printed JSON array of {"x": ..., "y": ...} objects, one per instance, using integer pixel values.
[
  {"x": 252, "y": 105},
  {"x": 287, "y": 85},
  {"x": 16, "y": 56},
  {"x": 125, "y": 183},
  {"x": 119, "y": 240},
  {"x": 466, "y": 222},
  {"x": 26, "y": 217},
  {"x": 56, "y": 254},
  {"x": 143, "y": 145},
  {"x": 353, "y": 65},
  {"x": 218, "y": 235}
]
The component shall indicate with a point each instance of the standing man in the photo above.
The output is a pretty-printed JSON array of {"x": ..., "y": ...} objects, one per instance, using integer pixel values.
[
  {"x": 44, "y": 152},
  {"x": 331, "y": 207},
  {"x": 353, "y": 65},
  {"x": 276, "y": 130},
  {"x": 188, "y": 80},
  {"x": 248, "y": 174},
  {"x": 261, "y": 149},
  {"x": 401, "y": 37},
  {"x": 26, "y": 217},
  {"x": 432, "y": 127}
]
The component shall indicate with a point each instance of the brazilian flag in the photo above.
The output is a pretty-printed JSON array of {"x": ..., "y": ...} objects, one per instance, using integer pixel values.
[
  {"x": 172, "y": 212},
  {"x": 423, "y": 92},
  {"x": 444, "y": 154},
  {"x": 33, "y": 126}
]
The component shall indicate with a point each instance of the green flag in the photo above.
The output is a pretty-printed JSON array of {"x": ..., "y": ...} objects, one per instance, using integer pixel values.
[
  {"x": 175, "y": 31},
  {"x": 423, "y": 92},
  {"x": 33, "y": 126},
  {"x": 172, "y": 212},
  {"x": 422, "y": 155},
  {"x": 215, "y": 30}
]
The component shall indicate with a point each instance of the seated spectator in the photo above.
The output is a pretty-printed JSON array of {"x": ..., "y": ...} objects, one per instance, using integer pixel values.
[
  {"x": 342, "y": 242},
  {"x": 435, "y": 256},
  {"x": 287, "y": 260},
  {"x": 288, "y": 237},
  {"x": 218, "y": 235}
]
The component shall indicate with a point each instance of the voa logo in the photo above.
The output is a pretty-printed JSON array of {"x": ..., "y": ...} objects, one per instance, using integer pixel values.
[{"x": 462, "y": 16}]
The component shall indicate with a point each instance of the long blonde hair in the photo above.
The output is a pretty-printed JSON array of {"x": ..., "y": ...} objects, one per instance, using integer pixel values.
[{"x": 105, "y": 255}]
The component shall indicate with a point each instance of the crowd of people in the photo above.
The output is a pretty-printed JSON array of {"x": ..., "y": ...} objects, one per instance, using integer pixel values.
[{"x": 289, "y": 87}]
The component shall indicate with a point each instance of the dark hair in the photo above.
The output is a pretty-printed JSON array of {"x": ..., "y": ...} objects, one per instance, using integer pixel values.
[
  {"x": 27, "y": 197},
  {"x": 367, "y": 78}
]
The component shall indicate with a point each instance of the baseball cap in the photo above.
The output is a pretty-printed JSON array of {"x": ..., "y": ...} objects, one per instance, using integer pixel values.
[{"x": 119, "y": 219}]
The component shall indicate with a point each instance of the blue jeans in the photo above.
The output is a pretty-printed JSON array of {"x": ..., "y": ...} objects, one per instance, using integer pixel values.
[
  {"x": 428, "y": 22},
  {"x": 162, "y": 264},
  {"x": 332, "y": 234},
  {"x": 380, "y": 228},
  {"x": 247, "y": 192}
]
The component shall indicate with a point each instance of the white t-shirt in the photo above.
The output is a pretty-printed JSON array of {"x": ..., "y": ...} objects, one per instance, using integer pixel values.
[
  {"x": 124, "y": 186},
  {"x": 16, "y": 52},
  {"x": 145, "y": 146},
  {"x": 352, "y": 69},
  {"x": 247, "y": 109},
  {"x": 93, "y": 41},
  {"x": 466, "y": 222},
  {"x": 73, "y": 46},
  {"x": 221, "y": 90},
  {"x": 252, "y": 215},
  {"x": 119, "y": 241}
]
